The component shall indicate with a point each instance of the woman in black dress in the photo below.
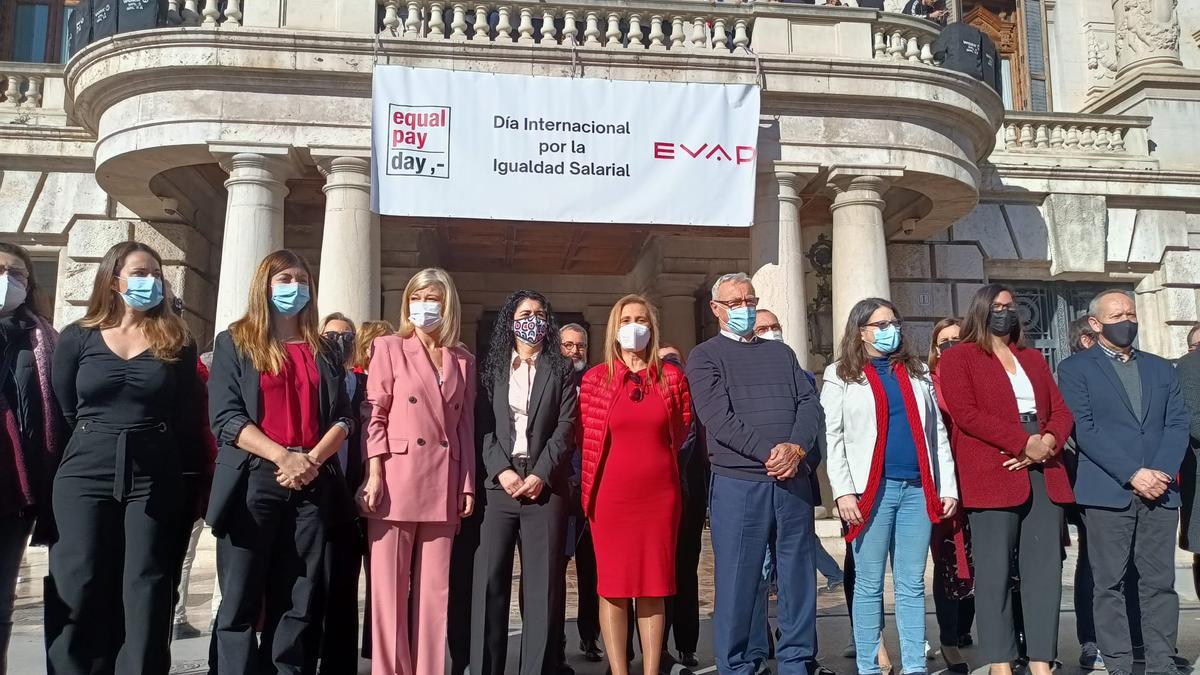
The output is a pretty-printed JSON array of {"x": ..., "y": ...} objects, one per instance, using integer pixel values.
[
  {"x": 31, "y": 434},
  {"x": 125, "y": 378}
]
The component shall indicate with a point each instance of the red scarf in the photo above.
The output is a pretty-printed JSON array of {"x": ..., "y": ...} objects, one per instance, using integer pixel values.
[{"x": 866, "y": 502}]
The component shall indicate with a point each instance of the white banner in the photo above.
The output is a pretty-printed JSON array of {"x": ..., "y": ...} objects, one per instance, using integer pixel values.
[{"x": 516, "y": 147}]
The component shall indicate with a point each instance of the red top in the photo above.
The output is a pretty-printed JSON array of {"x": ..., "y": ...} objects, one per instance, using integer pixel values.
[
  {"x": 987, "y": 428},
  {"x": 290, "y": 410},
  {"x": 596, "y": 397}
]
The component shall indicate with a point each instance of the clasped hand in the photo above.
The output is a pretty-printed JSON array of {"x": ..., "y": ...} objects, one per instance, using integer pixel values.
[
  {"x": 529, "y": 487},
  {"x": 295, "y": 470},
  {"x": 1037, "y": 450},
  {"x": 1150, "y": 484},
  {"x": 784, "y": 461}
]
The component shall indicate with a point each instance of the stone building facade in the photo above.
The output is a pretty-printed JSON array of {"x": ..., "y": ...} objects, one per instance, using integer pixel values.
[{"x": 243, "y": 126}]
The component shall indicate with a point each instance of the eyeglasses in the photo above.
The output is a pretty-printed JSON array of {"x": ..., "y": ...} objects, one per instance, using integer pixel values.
[
  {"x": 15, "y": 273},
  {"x": 1000, "y": 307},
  {"x": 334, "y": 335},
  {"x": 636, "y": 394},
  {"x": 883, "y": 324},
  {"x": 572, "y": 346},
  {"x": 763, "y": 329},
  {"x": 738, "y": 303}
]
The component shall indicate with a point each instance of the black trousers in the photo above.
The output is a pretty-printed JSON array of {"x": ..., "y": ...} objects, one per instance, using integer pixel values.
[
  {"x": 462, "y": 570},
  {"x": 538, "y": 529},
  {"x": 110, "y": 590},
  {"x": 1034, "y": 529},
  {"x": 1141, "y": 535},
  {"x": 1085, "y": 591},
  {"x": 683, "y": 610},
  {"x": 588, "y": 621},
  {"x": 954, "y": 617},
  {"x": 334, "y": 635},
  {"x": 273, "y": 552}
]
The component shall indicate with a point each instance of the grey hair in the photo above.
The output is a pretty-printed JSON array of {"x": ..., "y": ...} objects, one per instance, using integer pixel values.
[
  {"x": 732, "y": 278},
  {"x": 577, "y": 328},
  {"x": 1094, "y": 305}
]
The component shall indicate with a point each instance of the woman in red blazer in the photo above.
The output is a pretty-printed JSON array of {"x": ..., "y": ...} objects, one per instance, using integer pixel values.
[
  {"x": 1010, "y": 423},
  {"x": 635, "y": 410}
]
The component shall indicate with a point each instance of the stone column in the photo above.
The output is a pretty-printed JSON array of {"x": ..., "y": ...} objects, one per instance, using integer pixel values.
[
  {"x": 253, "y": 220},
  {"x": 1147, "y": 34},
  {"x": 350, "y": 245},
  {"x": 777, "y": 257},
  {"x": 677, "y": 312},
  {"x": 597, "y": 318},
  {"x": 860, "y": 267}
]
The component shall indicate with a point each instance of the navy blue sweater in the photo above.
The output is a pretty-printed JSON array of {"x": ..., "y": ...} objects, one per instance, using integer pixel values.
[
  {"x": 900, "y": 453},
  {"x": 751, "y": 396}
]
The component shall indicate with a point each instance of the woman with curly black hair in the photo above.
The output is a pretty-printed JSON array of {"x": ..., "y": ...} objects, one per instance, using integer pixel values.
[{"x": 528, "y": 424}]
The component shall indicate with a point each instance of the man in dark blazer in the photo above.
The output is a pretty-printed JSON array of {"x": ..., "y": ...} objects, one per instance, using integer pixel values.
[
  {"x": 1131, "y": 427},
  {"x": 530, "y": 431}
]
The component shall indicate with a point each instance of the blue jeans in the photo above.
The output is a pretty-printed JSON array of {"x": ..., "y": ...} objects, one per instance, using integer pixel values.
[{"x": 899, "y": 526}]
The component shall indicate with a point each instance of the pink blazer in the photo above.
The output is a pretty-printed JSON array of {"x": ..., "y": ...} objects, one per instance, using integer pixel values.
[{"x": 425, "y": 434}]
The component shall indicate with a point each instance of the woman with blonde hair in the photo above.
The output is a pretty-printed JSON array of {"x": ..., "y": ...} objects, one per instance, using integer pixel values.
[
  {"x": 279, "y": 410},
  {"x": 635, "y": 410},
  {"x": 420, "y": 480},
  {"x": 364, "y": 343},
  {"x": 125, "y": 379}
]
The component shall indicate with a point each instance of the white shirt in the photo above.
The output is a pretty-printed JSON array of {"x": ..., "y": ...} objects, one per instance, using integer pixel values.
[
  {"x": 520, "y": 384},
  {"x": 737, "y": 338},
  {"x": 1023, "y": 390}
]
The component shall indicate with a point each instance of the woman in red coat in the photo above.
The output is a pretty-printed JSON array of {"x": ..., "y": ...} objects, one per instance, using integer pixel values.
[
  {"x": 634, "y": 414},
  {"x": 1010, "y": 423}
]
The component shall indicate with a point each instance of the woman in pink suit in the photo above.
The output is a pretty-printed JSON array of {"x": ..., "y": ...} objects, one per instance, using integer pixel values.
[{"x": 420, "y": 475}]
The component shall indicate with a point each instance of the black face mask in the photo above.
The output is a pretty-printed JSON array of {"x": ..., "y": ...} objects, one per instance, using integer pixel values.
[
  {"x": 674, "y": 360},
  {"x": 1121, "y": 334},
  {"x": 1002, "y": 322},
  {"x": 342, "y": 343},
  {"x": 947, "y": 344}
]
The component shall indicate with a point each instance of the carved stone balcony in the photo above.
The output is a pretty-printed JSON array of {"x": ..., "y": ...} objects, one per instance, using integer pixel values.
[
  {"x": 841, "y": 86},
  {"x": 32, "y": 94}
]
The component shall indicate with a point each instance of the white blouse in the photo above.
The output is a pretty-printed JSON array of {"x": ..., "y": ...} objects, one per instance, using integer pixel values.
[{"x": 1023, "y": 389}]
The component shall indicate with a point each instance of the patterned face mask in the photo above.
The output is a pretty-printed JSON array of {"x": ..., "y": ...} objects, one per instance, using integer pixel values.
[{"x": 531, "y": 330}]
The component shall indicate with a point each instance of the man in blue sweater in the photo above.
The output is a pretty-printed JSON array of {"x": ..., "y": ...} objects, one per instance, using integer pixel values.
[{"x": 762, "y": 417}]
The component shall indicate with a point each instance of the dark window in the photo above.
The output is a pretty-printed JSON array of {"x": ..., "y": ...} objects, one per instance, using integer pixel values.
[
  {"x": 1047, "y": 309},
  {"x": 34, "y": 31}
]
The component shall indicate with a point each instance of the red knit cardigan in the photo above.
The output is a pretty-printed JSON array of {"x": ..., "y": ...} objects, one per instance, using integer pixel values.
[
  {"x": 596, "y": 397},
  {"x": 987, "y": 430}
]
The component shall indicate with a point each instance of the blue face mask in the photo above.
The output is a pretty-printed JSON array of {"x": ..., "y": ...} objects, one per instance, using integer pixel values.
[
  {"x": 887, "y": 340},
  {"x": 289, "y": 299},
  {"x": 143, "y": 293},
  {"x": 741, "y": 320}
]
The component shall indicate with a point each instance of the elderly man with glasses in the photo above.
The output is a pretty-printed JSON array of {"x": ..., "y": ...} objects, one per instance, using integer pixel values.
[{"x": 762, "y": 418}]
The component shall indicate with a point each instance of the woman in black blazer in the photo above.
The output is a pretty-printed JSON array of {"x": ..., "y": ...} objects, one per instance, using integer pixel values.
[
  {"x": 529, "y": 425},
  {"x": 279, "y": 410}
]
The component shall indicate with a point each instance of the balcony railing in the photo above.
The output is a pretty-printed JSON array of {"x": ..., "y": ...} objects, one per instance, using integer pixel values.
[
  {"x": 651, "y": 25},
  {"x": 1068, "y": 133},
  {"x": 32, "y": 93}
]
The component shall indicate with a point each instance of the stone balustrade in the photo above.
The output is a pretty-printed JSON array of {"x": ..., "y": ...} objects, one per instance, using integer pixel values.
[
  {"x": 207, "y": 13},
  {"x": 1058, "y": 133},
  {"x": 903, "y": 38},
  {"x": 23, "y": 85},
  {"x": 669, "y": 26}
]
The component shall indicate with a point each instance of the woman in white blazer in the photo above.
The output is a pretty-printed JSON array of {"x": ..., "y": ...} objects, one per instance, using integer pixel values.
[{"x": 891, "y": 471}]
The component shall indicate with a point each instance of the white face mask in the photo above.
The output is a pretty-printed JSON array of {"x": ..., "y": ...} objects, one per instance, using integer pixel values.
[
  {"x": 771, "y": 335},
  {"x": 12, "y": 294},
  {"x": 425, "y": 315},
  {"x": 633, "y": 336}
]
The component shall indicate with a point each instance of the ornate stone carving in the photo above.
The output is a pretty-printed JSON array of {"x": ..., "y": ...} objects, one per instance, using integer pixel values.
[
  {"x": 1146, "y": 30},
  {"x": 1101, "y": 58}
]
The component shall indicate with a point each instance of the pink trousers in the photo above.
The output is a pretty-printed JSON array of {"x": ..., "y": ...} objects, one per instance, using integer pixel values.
[{"x": 410, "y": 590}]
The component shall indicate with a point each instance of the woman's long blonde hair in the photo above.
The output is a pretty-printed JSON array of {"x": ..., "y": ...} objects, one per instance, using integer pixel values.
[
  {"x": 365, "y": 338},
  {"x": 252, "y": 333},
  {"x": 446, "y": 333},
  {"x": 612, "y": 348},
  {"x": 163, "y": 329}
]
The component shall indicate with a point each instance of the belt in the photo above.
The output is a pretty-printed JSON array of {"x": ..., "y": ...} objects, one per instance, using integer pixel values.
[
  {"x": 123, "y": 471},
  {"x": 1028, "y": 417}
]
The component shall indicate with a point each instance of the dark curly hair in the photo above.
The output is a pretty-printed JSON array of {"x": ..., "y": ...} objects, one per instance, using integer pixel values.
[{"x": 499, "y": 357}]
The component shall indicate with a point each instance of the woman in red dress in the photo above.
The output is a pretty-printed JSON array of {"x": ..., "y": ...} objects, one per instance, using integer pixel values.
[{"x": 634, "y": 415}]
